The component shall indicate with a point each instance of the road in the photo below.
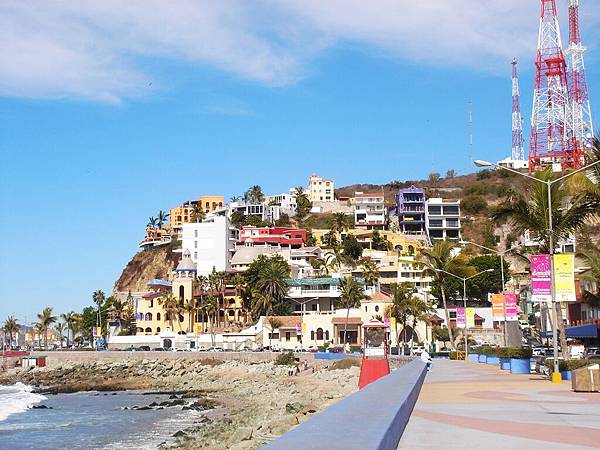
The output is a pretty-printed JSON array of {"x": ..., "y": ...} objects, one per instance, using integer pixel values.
[{"x": 466, "y": 405}]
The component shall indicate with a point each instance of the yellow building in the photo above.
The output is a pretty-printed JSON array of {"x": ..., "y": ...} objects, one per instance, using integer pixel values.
[
  {"x": 320, "y": 189},
  {"x": 184, "y": 213},
  {"x": 400, "y": 243}
]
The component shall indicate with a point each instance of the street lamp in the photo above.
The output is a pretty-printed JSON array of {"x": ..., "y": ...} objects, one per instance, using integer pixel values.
[
  {"x": 464, "y": 280},
  {"x": 501, "y": 254},
  {"x": 556, "y": 377}
]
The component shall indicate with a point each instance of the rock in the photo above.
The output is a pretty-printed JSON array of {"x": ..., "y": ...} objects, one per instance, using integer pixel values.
[
  {"x": 241, "y": 434},
  {"x": 41, "y": 407},
  {"x": 293, "y": 408},
  {"x": 179, "y": 433}
]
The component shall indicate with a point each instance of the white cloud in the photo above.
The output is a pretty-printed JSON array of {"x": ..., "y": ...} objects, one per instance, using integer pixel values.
[{"x": 97, "y": 50}]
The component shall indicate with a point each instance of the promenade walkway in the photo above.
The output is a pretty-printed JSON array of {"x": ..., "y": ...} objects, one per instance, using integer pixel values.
[{"x": 466, "y": 405}]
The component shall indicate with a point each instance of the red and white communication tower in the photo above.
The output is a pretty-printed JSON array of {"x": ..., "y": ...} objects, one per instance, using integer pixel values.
[
  {"x": 551, "y": 139},
  {"x": 518, "y": 152},
  {"x": 580, "y": 100}
]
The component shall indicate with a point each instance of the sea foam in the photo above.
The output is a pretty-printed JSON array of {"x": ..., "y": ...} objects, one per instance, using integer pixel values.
[{"x": 17, "y": 398}]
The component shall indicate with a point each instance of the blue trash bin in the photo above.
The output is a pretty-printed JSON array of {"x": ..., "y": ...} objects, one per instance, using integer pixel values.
[
  {"x": 482, "y": 359},
  {"x": 519, "y": 366},
  {"x": 505, "y": 363},
  {"x": 494, "y": 360}
]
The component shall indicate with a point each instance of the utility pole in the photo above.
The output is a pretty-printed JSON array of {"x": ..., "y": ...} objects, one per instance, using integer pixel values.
[{"x": 518, "y": 152}]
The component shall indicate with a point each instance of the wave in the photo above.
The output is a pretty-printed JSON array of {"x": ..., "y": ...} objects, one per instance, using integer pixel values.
[{"x": 17, "y": 398}]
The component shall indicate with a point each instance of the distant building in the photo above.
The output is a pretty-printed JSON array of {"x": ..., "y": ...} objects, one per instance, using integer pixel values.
[
  {"x": 369, "y": 210},
  {"x": 184, "y": 213},
  {"x": 285, "y": 202},
  {"x": 320, "y": 189},
  {"x": 443, "y": 218},
  {"x": 211, "y": 243},
  {"x": 513, "y": 163},
  {"x": 155, "y": 237},
  {"x": 410, "y": 209},
  {"x": 276, "y": 236}
]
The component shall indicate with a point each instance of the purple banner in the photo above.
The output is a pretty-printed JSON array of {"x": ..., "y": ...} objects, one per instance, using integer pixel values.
[
  {"x": 387, "y": 323},
  {"x": 460, "y": 317},
  {"x": 510, "y": 301},
  {"x": 541, "y": 278}
]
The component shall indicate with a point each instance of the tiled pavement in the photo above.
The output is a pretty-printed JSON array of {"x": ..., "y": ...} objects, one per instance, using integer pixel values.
[{"x": 467, "y": 405}]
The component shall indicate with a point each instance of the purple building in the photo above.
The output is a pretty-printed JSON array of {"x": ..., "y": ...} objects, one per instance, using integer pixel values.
[{"x": 410, "y": 208}]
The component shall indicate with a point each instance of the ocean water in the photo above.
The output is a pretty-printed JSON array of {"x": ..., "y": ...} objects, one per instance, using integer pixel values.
[{"x": 86, "y": 420}]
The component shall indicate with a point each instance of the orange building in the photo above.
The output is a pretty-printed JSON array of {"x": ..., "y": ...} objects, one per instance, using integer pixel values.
[{"x": 184, "y": 213}]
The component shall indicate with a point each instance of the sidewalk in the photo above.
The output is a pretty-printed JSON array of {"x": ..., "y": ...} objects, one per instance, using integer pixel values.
[{"x": 467, "y": 405}]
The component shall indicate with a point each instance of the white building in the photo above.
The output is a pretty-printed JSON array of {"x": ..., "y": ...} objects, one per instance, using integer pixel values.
[
  {"x": 320, "y": 189},
  {"x": 369, "y": 210},
  {"x": 442, "y": 218},
  {"x": 285, "y": 202},
  {"x": 211, "y": 243}
]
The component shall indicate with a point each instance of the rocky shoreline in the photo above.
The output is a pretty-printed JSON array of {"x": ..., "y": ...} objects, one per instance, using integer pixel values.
[{"x": 244, "y": 405}]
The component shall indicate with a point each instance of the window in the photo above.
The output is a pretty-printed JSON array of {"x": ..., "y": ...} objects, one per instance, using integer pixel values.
[
  {"x": 148, "y": 330},
  {"x": 436, "y": 210},
  {"x": 376, "y": 308},
  {"x": 451, "y": 210},
  {"x": 195, "y": 255},
  {"x": 195, "y": 233},
  {"x": 366, "y": 308},
  {"x": 181, "y": 292},
  {"x": 319, "y": 334},
  {"x": 148, "y": 316},
  {"x": 312, "y": 335},
  {"x": 195, "y": 244},
  {"x": 158, "y": 318},
  {"x": 287, "y": 336},
  {"x": 151, "y": 303},
  {"x": 326, "y": 335}
]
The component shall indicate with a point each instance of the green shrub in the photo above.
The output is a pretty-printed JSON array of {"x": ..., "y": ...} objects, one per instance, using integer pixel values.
[
  {"x": 489, "y": 351},
  {"x": 484, "y": 174},
  {"x": 571, "y": 364},
  {"x": 514, "y": 352},
  {"x": 285, "y": 359},
  {"x": 356, "y": 348},
  {"x": 345, "y": 363},
  {"x": 474, "y": 204}
]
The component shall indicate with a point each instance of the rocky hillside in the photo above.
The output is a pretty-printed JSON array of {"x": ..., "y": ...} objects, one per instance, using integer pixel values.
[{"x": 145, "y": 266}]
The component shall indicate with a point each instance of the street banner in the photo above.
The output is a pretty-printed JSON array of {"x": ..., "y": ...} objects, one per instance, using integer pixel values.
[
  {"x": 387, "y": 323},
  {"x": 470, "y": 317},
  {"x": 299, "y": 328},
  {"x": 541, "y": 278},
  {"x": 304, "y": 328},
  {"x": 564, "y": 277},
  {"x": 392, "y": 323},
  {"x": 498, "y": 307},
  {"x": 460, "y": 317},
  {"x": 511, "y": 306}
]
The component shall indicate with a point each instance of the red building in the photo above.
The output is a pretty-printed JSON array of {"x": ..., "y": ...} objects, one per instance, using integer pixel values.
[{"x": 277, "y": 236}]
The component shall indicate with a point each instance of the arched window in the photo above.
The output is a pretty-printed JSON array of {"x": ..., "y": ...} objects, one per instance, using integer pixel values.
[
  {"x": 148, "y": 330},
  {"x": 376, "y": 308},
  {"x": 181, "y": 332},
  {"x": 312, "y": 335},
  {"x": 158, "y": 329},
  {"x": 411, "y": 250},
  {"x": 148, "y": 316},
  {"x": 366, "y": 308},
  {"x": 157, "y": 316},
  {"x": 326, "y": 335},
  {"x": 140, "y": 330},
  {"x": 319, "y": 334},
  {"x": 231, "y": 312},
  {"x": 181, "y": 292},
  {"x": 141, "y": 316}
]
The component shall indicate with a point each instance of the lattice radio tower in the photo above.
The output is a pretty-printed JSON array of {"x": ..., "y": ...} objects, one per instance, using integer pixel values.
[
  {"x": 551, "y": 139},
  {"x": 583, "y": 129},
  {"x": 518, "y": 152}
]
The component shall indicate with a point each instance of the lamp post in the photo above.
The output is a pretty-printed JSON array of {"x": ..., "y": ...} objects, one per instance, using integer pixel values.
[
  {"x": 556, "y": 377},
  {"x": 501, "y": 254},
  {"x": 464, "y": 280}
]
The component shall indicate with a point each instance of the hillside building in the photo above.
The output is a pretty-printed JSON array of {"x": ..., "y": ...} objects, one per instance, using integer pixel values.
[
  {"x": 410, "y": 209},
  {"x": 443, "y": 218},
  {"x": 369, "y": 210},
  {"x": 184, "y": 213},
  {"x": 276, "y": 236},
  {"x": 320, "y": 189}
]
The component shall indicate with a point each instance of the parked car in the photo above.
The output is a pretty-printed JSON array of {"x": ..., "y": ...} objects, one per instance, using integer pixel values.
[
  {"x": 313, "y": 349},
  {"x": 594, "y": 357},
  {"x": 592, "y": 351},
  {"x": 538, "y": 351},
  {"x": 158, "y": 349}
]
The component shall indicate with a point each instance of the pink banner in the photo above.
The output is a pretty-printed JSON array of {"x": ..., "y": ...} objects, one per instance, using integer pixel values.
[
  {"x": 541, "y": 278},
  {"x": 510, "y": 301},
  {"x": 387, "y": 323},
  {"x": 460, "y": 317}
]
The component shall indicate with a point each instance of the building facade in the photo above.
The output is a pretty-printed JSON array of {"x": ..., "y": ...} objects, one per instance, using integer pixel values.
[
  {"x": 443, "y": 219},
  {"x": 276, "y": 236},
  {"x": 211, "y": 243},
  {"x": 369, "y": 210},
  {"x": 410, "y": 209},
  {"x": 320, "y": 189},
  {"x": 184, "y": 213}
]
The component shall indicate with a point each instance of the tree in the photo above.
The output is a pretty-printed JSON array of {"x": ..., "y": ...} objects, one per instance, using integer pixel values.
[
  {"x": 211, "y": 308},
  {"x": 399, "y": 309},
  {"x": 190, "y": 308},
  {"x": 173, "y": 308},
  {"x": 238, "y": 219},
  {"x": 352, "y": 249},
  {"x": 590, "y": 253},
  {"x": 351, "y": 295},
  {"x": 198, "y": 214},
  {"x": 420, "y": 311},
  {"x": 474, "y": 204},
  {"x": 271, "y": 285},
  {"x": 69, "y": 318},
  {"x": 254, "y": 195},
  {"x": 442, "y": 257},
  {"x": 152, "y": 222},
  {"x": 433, "y": 178},
  {"x": 450, "y": 173},
  {"x": 379, "y": 243},
  {"x": 60, "y": 327},
  {"x": 588, "y": 183},
  {"x": 489, "y": 282},
  {"x": 39, "y": 329},
  {"x": 303, "y": 204},
  {"x": 274, "y": 323},
  {"x": 11, "y": 327},
  {"x": 370, "y": 271},
  {"x": 46, "y": 318},
  {"x": 340, "y": 222},
  {"x": 330, "y": 240},
  {"x": 99, "y": 297},
  {"x": 283, "y": 221},
  {"x": 161, "y": 219},
  {"x": 310, "y": 240}
]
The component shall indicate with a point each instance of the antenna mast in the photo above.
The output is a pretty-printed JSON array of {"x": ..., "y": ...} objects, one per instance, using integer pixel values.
[{"x": 518, "y": 152}]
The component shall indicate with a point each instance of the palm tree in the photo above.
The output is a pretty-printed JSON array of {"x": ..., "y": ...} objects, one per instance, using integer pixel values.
[
  {"x": 420, "y": 311},
  {"x": 211, "y": 308},
  {"x": 198, "y": 214},
  {"x": 11, "y": 327},
  {"x": 162, "y": 218},
  {"x": 254, "y": 194},
  {"x": 98, "y": 298},
  {"x": 60, "y": 327},
  {"x": 303, "y": 204},
  {"x": 529, "y": 212},
  {"x": 351, "y": 294},
  {"x": 69, "y": 318},
  {"x": 39, "y": 329},
  {"x": 274, "y": 323},
  {"x": 151, "y": 222},
  {"x": 46, "y": 319},
  {"x": 437, "y": 258},
  {"x": 588, "y": 183},
  {"x": 190, "y": 308},
  {"x": 340, "y": 222},
  {"x": 591, "y": 254},
  {"x": 400, "y": 307},
  {"x": 172, "y": 307},
  {"x": 271, "y": 284},
  {"x": 370, "y": 271}
]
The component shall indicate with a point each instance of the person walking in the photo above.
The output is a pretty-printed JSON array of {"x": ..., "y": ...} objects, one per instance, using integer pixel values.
[{"x": 426, "y": 358}]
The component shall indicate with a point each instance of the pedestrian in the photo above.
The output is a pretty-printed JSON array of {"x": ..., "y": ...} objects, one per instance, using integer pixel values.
[
  {"x": 426, "y": 359},
  {"x": 305, "y": 364}
]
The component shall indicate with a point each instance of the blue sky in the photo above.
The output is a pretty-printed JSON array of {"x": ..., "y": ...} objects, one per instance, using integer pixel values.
[{"x": 107, "y": 118}]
